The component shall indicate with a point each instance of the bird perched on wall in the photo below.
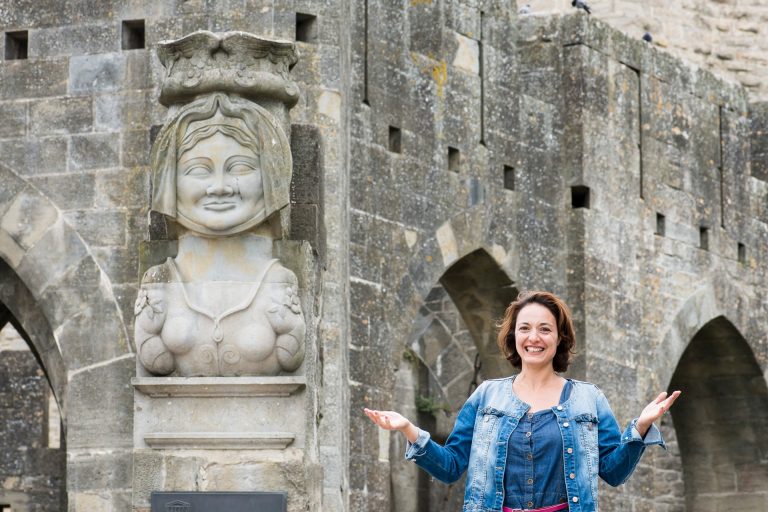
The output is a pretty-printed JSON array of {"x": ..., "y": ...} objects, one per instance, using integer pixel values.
[
  {"x": 581, "y": 4},
  {"x": 647, "y": 37},
  {"x": 526, "y": 9}
]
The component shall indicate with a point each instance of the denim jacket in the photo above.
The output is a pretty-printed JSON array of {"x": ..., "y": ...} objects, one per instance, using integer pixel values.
[{"x": 593, "y": 445}]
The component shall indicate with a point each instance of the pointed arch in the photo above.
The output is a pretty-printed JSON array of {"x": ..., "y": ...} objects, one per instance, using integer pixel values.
[{"x": 722, "y": 419}]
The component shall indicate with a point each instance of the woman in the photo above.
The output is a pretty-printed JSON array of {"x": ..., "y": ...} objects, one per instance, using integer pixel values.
[
  {"x": 534, "y": 441},
  {"x": 223, "y": 306}
]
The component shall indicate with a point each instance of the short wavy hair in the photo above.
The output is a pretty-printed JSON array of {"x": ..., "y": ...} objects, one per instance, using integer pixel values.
[{"x": 563, "y": 319}]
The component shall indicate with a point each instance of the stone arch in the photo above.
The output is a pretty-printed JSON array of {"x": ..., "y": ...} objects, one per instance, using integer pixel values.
[
  {"x": 54, "y": 287},
  {"x": 452, "y": 347},
  {"x": 704, "y": 348},
  {"x": 722, "y": 420}
]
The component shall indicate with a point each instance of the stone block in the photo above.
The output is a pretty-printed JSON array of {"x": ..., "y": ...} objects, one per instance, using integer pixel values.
[
  {"x": 14, "y": 116},
  {"x": 35, "y": 156},
  {"x": 122, "y": 111},
  {"x": 52, "y": 255},
  {"x": 96, "y": 73},
  {"x": 28, "y": 217},
  {"x": 100, "y": 409},
  {"x": 74, "y": 40},
  {"x": 94, "y": 151},
  {"x": 73, "y": 292},
  {"x": 67, "y": 191},
  {"x": 110, "y": 469},
  {"x": 33, "y": 79},
  {"x": 99, "y": 227},
  {"x": 123, "y": 188},
  {"x": 135, "y": 148},
  {"x": 60, "y": 116}
]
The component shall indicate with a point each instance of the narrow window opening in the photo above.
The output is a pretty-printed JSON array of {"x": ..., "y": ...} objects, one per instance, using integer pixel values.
[
  {"x": 742, "y": 253},
  {"x": 580, "y": 196},
  {"x": 704, "y": 238},
  {"x": 660, "y": 224},
  {"x": 454, "y": 159},
  {"x": 395, "y": 139},
  {"x": 306, "y": 27},
  {"x": 5, "y": 508},
  {"x": 16, "y": 45},
  {"x": 509, "y": 177},
  {"x": 133, "y": 34}
]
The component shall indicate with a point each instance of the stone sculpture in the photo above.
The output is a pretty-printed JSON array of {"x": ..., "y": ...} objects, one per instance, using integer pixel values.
[{"x": 223, "y": 306}]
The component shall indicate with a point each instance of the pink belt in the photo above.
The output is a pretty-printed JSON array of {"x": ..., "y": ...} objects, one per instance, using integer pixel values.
[{"x": 552, "y": 508}]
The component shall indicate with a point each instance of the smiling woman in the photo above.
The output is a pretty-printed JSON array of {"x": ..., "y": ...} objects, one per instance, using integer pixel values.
[{"x": 553, "y": 436}]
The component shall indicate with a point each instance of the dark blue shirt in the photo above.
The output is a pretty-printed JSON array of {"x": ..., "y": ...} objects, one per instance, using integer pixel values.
[{"x": 534, "y": 476}]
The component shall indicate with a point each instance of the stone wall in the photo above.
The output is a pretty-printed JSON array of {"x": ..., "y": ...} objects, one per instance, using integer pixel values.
[
  {"x": 453, "y": 144},
  {"x": 727, "y": 37}
]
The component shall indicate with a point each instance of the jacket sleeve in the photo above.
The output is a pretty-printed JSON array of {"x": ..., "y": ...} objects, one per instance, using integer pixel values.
[
  {"x": 620, "y": 453},
  {"x": 447, "y": 463}
]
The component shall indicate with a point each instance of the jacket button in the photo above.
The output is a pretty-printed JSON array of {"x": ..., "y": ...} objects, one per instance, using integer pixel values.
[
  {"x": 566, "y": 424},
  {"x": 527, "y": 434},
  {"x": 530, "y": 504},
  {"x": 572, "y": 476},
  {"x": 559, "y": 407},
  {"x": 530, "y": 481},
  {"x": 575, "y": 499},
  {"x": 570, "y": 450}
]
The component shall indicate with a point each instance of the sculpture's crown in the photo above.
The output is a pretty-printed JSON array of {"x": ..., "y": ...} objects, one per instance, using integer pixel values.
[{"x": 233, "y": 62}]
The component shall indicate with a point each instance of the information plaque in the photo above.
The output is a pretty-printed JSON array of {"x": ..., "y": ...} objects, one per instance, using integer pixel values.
[{"x": 218, "y": 502}]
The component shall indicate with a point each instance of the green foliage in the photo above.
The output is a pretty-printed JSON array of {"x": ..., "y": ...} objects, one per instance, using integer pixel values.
[{"x": 430, "y": 405}]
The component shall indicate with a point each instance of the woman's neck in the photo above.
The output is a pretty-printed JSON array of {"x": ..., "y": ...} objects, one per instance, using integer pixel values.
[
  {"x": 537, "y": 378},
  {"x": 235, "y": 258}
]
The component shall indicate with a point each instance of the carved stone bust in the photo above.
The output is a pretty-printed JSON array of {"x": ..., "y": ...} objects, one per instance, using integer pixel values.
[{"x": 223, "y": 306}]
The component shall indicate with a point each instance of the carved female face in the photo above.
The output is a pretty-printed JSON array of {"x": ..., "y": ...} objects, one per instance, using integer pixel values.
[{"x": 218, "y": 184}]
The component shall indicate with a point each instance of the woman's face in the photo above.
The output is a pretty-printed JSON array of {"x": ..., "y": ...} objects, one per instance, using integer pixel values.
[
  {"x": 536, "y": 337},
  {"x": 218, "y": 184}
]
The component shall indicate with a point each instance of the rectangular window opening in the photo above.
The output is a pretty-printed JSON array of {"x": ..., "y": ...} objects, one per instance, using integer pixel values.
[
  {"x": 509, "y": 177},
  {"x": 5, "y": 508},
  {"x": 454, "y": 159},
  {"x": 742, "y": 253},
  {"x": 395, "y": 139},
  {"x": 580, "y": 196},
  {"x": 16, "y": 44},
  {"x": 704, "y": 238},
  {"x": 660, "y": 224},
  {"x": 133, "y": 34},
  {"x": 306, "y": 27}
]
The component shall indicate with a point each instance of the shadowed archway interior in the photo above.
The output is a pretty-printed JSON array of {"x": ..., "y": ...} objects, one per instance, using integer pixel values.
[
  {"x": 452, "y": 348},
  {"x": 721, "y": 421}
]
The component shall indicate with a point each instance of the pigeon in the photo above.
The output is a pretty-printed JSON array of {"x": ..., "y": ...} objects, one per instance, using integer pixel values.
[
  {"x": 526, "y": 9},
  {"x": 648, "y": 37},
  {"x": 581, "y": 4}
]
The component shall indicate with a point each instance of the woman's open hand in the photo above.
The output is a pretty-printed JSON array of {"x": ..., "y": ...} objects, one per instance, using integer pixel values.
[
  {"x": 391, "y": 420},
  {"x": 654, "y": 410}
]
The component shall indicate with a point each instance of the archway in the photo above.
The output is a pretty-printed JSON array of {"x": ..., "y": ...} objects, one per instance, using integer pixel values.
[
  {"x": 452, "y": 348},
  {"x": 721, "y": 421},
  {"x": 33, "y": 466}
]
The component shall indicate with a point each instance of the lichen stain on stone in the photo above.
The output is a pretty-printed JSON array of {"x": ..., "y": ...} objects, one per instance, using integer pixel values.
[
  {"x": 415, "y": 3},
  {"x": 440, "y": 76}
]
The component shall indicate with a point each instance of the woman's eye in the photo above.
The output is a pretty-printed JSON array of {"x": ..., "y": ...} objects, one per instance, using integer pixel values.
[
  {"x": 197, "y": 171},
  {"x": 241, "y": 168}
]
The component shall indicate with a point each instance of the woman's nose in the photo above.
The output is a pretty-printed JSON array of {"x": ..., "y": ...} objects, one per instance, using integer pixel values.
[{"x": 220, "y": 186}]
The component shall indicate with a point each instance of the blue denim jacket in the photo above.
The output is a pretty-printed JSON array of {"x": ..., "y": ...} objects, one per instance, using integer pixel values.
[{"x": 593, "y": 445}]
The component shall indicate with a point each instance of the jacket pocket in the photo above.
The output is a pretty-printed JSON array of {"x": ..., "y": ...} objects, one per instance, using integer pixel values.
[{"x": 587, "y": 425}]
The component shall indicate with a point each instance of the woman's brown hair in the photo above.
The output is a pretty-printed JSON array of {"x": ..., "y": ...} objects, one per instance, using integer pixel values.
[{"x": 566, "y": 335}]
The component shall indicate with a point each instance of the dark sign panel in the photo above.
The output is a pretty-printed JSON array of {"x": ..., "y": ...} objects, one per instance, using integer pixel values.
[{"x": 218, "y": 502}]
